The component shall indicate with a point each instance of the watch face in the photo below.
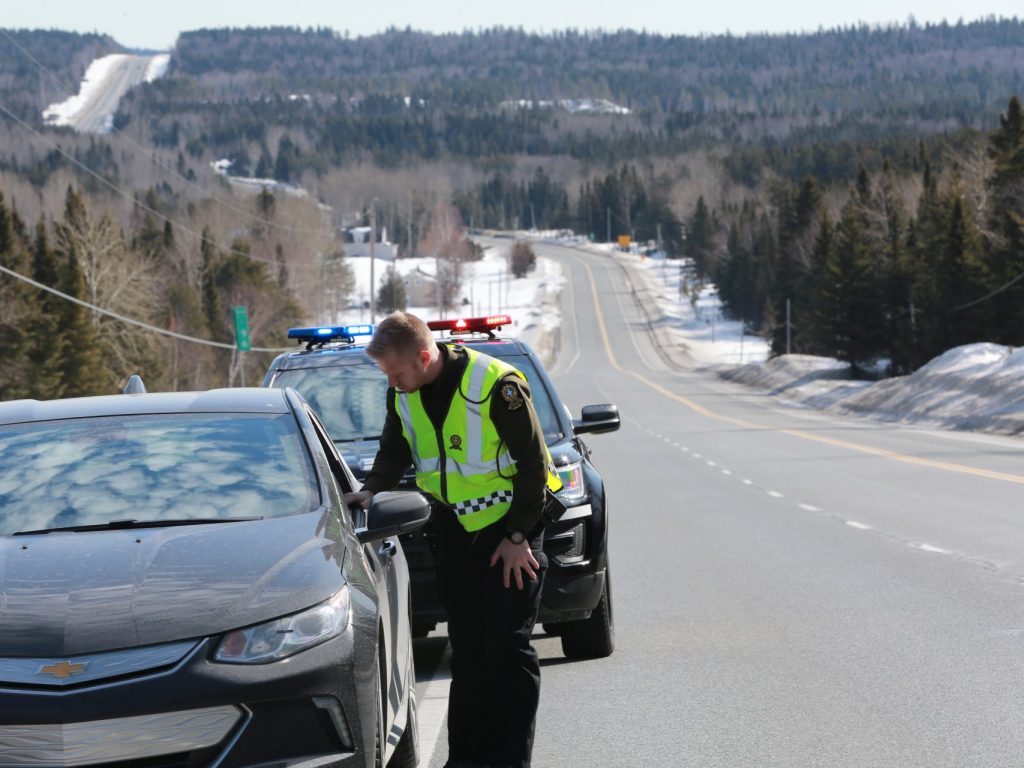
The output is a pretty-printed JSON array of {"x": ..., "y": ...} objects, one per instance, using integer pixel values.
[{"x": 517, "y": 537}]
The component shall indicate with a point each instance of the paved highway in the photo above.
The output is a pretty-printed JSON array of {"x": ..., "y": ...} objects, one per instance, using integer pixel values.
[
  {"x": 95, "y": 115},
  {"x": 790, "y": 589}
]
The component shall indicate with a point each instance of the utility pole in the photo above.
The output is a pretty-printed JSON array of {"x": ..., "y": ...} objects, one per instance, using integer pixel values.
[
  {"x": 373, "y": 239},
  {"x": 609, "y": 223},
  {"x": 533, "y": 219},
  {"x": 789, "y": 327}
]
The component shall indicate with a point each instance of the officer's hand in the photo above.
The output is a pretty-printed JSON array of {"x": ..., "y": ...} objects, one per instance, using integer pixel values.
[
  {"x": 361, "y": 498},
  {"x": 516, "y": 559}
]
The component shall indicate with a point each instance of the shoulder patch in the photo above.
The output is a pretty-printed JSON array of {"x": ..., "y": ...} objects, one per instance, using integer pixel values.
[{"x": 511, "y": 395}]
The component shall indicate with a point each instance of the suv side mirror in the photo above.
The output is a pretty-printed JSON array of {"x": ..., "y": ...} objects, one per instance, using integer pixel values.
[
  {"x": 598, "y": 419},
  {"x": 394, "y": 513}
]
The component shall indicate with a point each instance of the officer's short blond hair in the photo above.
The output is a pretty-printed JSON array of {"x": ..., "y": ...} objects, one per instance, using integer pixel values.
[{"x": 400, "y": 333}]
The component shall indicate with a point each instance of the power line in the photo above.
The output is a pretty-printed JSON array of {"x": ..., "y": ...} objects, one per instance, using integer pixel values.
[
  {"x": 129, "y": 320},
  {"x": 988, "y": 296},
  {"x": 159, "y": 162}
]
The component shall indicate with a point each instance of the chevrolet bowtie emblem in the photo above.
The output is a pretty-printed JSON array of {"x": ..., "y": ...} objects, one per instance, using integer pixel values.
[{"x": 62, "y": 670}]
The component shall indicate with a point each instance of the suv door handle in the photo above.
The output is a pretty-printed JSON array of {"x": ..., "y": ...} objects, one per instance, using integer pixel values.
[{"x": 388, "y": 549}]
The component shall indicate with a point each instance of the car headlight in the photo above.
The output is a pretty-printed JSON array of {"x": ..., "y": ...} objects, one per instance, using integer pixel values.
[
  {"x": 281, "y": 638},
  {"x": 573, "y": 487}
]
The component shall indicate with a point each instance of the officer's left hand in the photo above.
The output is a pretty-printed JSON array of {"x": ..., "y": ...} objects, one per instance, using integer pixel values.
[{"x": 516, "y": 559}]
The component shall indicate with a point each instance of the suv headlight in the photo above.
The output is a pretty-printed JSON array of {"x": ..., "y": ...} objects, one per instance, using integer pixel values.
[
  {"x": 573, "y": 487},
  {"x": 285, "y": 637}
]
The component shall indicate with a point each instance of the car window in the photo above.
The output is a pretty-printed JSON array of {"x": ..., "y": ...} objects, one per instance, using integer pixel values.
[
  {"x": 351, "y": 400},
  {"x": 152, "y": 468}
]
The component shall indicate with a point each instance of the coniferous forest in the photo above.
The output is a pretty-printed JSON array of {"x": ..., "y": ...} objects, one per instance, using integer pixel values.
[{"x": 870, "y": 179}]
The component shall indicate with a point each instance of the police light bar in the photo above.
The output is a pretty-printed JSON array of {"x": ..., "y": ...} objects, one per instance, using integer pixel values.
[
  {"x": 327, "y": 333},
  {"x": 470, "y": 324}
]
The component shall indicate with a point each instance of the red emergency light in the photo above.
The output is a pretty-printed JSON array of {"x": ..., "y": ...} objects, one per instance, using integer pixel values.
[{"x": 466, "y": 325}]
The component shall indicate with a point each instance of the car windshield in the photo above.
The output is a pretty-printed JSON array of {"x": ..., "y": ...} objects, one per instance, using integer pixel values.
[
  {"x": 351, "y": 400},
  {"x": 167, "y": 467}
]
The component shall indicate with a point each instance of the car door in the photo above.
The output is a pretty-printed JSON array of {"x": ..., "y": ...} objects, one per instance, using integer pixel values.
[{"x": 391, "y": 579}]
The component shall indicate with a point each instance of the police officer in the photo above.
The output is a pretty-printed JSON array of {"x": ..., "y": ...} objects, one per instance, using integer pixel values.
[{"x": 465, "y": 421}]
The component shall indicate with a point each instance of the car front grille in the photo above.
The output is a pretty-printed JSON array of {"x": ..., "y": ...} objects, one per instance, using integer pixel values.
[{"x": 159, "y": 741}]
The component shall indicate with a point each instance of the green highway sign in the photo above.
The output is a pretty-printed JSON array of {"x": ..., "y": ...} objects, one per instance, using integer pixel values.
[{"x": 241, "y": 316}]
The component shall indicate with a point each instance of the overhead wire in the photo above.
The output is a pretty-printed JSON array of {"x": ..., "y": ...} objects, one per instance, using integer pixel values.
[
  {"x": 171, "y": 169},
  {"x": 129, "y": 320}
]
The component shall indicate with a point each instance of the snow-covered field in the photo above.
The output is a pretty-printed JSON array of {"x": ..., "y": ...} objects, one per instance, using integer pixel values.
[{"x": 487, "y": 288}]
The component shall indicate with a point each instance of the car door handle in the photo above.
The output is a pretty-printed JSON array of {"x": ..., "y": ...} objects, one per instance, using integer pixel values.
[{"x": 388, "y": 549}]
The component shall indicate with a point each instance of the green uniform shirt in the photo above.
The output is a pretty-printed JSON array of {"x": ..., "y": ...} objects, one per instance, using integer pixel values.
[{"x": 514, "y": 418}]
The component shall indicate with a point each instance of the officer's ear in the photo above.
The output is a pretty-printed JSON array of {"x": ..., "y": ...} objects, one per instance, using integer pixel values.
[{"x": 424, "y": 357}]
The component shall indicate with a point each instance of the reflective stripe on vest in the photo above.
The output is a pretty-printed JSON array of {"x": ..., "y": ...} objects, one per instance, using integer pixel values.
[{"x": 466, "y": 464}]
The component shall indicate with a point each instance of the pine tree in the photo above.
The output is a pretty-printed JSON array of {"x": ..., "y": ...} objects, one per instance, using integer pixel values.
[
  {"x": 18, "y": 312},
  {"x": 391, "y": 296},
  {"x": 700, "y": 238},
  {"x": 85, "y": 372},
  {"x": 1005, "y": 257},
  {"x": 46, "y": 354}
]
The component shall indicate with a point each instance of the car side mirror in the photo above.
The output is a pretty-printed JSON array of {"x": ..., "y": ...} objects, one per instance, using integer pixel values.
[
  {"x": 394, "y": 513},
  {"x": 600, "y": 418}
]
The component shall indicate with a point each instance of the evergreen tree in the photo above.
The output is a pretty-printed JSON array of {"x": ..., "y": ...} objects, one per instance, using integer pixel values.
[
  {"x": 46, "y": 354},
  {"x": 18, "y": 312},
  {"x": 1006, "y": 242},
  {"x": 700, "y": 238},
  {"x": 391, "y": 296}
]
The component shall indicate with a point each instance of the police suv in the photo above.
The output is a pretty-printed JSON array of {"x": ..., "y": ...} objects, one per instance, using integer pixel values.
[{"x": 344, "y": 385}]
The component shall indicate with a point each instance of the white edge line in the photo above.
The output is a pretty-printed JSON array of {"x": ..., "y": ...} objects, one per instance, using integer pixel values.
[{"x": 858, "y": 526}]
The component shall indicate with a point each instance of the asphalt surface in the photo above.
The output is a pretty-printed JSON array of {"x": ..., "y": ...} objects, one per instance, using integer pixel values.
[
  {"x": 790, "y": 589},
  {"x": 95, "y": 114}
]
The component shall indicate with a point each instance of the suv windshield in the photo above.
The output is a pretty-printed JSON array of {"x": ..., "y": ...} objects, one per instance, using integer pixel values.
[
  {"x": 167, "y": 467},
  {"x": 351, "y": 400}
]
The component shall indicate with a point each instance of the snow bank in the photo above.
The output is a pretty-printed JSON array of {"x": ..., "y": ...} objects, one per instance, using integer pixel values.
[
  {"x": 157, "y": 67},
  {"x": 976, "y": 387}
]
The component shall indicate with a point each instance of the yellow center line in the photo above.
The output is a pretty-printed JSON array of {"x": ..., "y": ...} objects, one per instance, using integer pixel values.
[{"x": 835, "y": 442}]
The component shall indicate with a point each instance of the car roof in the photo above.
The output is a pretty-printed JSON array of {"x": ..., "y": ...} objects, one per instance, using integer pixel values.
[{"x": 237, "y": 400}]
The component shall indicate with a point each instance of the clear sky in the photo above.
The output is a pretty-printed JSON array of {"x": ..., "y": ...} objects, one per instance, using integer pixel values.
[{"x": 156, "y": 23}]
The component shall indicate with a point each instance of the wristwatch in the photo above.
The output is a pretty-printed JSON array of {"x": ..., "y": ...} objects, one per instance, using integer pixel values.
[{"x": 516, "y": 537}]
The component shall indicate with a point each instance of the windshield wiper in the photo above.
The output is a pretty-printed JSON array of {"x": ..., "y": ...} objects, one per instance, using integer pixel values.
[
  {"x": 115, "y": 525},
  {"x": 357, "y": 439}
]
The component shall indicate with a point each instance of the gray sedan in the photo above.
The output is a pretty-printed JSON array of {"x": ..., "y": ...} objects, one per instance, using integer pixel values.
[{"x": 182, "y": 585}]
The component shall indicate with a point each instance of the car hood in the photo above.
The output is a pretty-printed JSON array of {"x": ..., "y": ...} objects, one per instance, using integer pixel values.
[{"x": 73, "y": 593}]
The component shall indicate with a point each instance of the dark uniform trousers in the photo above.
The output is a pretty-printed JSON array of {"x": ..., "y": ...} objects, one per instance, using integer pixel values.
[{"x": 495, "y": 685}]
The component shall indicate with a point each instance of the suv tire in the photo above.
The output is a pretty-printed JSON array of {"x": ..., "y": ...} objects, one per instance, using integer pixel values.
[{"x": 592, "y": 638}]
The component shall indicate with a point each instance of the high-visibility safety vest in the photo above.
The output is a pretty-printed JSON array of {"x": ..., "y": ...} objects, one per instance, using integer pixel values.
[{"x": 466, "y": 465}]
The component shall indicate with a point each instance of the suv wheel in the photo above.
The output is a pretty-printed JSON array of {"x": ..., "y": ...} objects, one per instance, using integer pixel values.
[{"x": 592, "y": 638}]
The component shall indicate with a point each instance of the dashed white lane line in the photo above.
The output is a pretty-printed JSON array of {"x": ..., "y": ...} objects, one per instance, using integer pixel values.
[
  {"x": 726, "y": 472},
  {"x": 747, "y": 482},
  {"x": 858, "y": 526},
  {"x": 712, "y": 464},
  {"x": 809, "y": 508},
  {"x": 930, "y": 548},
  {"x": 774, "y": 494}
]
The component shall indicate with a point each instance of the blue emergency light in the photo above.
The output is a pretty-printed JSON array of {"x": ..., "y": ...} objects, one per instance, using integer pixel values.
[{"x": 324, "y": 334}]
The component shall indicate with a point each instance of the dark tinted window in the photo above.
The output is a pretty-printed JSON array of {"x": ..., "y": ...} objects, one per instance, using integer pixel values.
[{"x": 152, "y": 467}]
